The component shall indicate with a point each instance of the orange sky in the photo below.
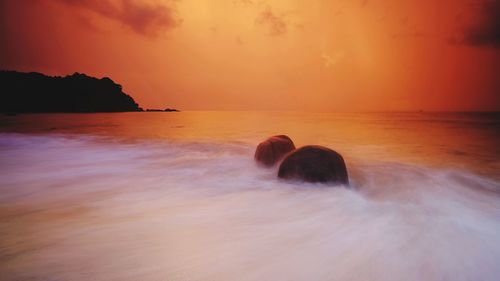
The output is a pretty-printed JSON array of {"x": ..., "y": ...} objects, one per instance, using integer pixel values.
[{"x": 314, "y": 55}]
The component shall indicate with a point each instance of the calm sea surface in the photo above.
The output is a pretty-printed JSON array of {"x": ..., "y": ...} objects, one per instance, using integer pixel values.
[{"x": 177, "y": 196}]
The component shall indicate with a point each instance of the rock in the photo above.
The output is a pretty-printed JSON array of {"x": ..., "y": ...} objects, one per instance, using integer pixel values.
[
  {"x": 272, "y": 150},
  {"x": 171, "y": 110},
  {"x": 314, "y": 163}
]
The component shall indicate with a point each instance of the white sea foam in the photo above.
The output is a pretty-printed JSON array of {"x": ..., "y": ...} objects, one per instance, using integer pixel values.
[{"x": 86, "y": 208}]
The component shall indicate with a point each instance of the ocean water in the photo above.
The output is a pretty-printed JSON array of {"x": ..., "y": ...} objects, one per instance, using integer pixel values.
[{"x": 177, "y": 196}]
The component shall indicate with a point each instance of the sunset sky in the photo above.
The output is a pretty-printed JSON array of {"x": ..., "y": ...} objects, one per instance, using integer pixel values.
[{"x": 312, "y": 55}]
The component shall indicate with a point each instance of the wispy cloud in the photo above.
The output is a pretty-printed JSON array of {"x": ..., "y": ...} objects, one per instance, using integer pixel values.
[
  {"x": 330, "y": 59},
  {"x": 276, "y": 23},
  {"x": 144, "y": 17}
]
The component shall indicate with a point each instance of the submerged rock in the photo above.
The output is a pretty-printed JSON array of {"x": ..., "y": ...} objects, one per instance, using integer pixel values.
[
  {"x": 272, "y": 150},
  {"x": 314, "y": 163}
]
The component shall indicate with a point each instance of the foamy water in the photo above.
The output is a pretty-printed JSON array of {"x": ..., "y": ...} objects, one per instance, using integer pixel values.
[{"x": 83, "y": 207}]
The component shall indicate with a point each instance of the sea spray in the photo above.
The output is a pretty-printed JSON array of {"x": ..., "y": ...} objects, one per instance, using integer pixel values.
[{"x": 79, "y": 207}]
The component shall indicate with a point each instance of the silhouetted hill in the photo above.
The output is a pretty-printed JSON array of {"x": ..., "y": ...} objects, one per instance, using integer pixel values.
[{"x": 35, "y": 92}]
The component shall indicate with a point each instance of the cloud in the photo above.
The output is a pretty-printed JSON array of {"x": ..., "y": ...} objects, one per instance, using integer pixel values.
[
  {"x": 331, "y": 59},
  {"x": 485, "y": 31},
  {"x": 277, "y": 25},
  {"x": 143, "y": 17},
  {"x": 239, "y": 40}
]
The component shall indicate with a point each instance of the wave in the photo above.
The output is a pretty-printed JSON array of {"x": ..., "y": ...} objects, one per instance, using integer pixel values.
[{"x": 81, "y": 207}]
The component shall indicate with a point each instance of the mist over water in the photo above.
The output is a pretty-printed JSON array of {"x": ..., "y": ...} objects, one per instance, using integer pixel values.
[{"x": 93, "y": 204}]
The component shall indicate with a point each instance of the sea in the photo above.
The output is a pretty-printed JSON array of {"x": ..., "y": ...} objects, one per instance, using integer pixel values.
[{"x": 177, "y": 196}]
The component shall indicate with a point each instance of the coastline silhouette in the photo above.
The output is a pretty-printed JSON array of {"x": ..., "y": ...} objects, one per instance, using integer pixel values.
[{"x": 37, "y": 93}]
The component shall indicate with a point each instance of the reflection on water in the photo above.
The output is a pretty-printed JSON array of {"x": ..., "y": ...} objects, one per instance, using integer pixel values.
[
  {"x": 460, "y": 140},
  {"x": 155, "y": 196}
]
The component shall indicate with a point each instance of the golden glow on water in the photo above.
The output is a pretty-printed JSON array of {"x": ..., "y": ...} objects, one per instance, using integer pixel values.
[{"x": 457, "y": 140}]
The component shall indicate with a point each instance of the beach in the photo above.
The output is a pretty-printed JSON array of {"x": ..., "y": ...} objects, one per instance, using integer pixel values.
[{"x": 178, "y": 196}]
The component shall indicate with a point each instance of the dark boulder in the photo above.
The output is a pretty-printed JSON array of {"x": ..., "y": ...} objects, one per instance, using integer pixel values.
[
  {"x": 272, "y": 150},
  {"x": 314, "y": 163}
]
